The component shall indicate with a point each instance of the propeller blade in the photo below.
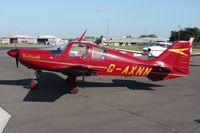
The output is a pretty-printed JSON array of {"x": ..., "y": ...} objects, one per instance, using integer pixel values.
[
  {"x": 17, "y": 57},
  {"x": 17, "y": 62},
  {"x": 14, "y": 53}
]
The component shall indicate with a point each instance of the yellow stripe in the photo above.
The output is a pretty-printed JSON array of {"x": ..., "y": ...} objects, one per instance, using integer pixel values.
[
  {"x": 181, "y": 75},
  {"x": 179, "y": 51},
  {"x": 64, "y": 63}
]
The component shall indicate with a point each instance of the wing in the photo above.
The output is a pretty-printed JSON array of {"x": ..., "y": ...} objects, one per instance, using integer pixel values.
[
  {"x": 194, "y": 54},
  {"x": 131, "y": 51},
  {"x": 77, "y": 71},
  {"x": 136, "y": 53}
]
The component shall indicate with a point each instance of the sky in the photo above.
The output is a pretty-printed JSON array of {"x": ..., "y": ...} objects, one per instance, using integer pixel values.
[{"x": 69, "y": 18}]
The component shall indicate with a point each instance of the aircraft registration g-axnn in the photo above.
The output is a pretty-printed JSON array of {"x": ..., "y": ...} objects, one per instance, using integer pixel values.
[{"x": 85, "y": 59}]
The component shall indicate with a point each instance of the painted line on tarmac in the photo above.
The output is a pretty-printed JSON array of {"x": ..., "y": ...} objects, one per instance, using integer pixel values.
[{"x": 4, "y": 118}]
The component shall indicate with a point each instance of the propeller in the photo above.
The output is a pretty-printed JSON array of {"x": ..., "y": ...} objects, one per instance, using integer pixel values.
[
  {"x": 17, "y": 59},
  {"x": 17, "y": 56},
  {"x": 14, "y": 53}
]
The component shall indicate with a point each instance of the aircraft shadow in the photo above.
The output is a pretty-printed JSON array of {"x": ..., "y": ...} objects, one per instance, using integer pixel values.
[
  {"x": 193, "y": 65},
  {"x": 197, "y": 120},
  {"x": 130, "y": 84},
  {"x": 52, "y": 86}
]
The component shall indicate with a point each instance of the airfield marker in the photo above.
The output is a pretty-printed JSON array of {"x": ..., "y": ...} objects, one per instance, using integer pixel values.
[{"x": 4, "y": 118}]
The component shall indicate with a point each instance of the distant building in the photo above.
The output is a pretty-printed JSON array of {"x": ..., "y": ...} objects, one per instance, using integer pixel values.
[
  {"x": 50, "y": 40},
  {"x": 122, "y": 40},
  {"x": 90, "y": 39},
  {"x": 4, "y": 40},
  {"x": 42, "y": 39},
  {"x": 18, "y": 39},
  {"x": 153, "y": 40}
]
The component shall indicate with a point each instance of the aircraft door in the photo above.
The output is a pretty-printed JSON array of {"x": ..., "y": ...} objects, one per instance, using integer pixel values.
[
  {"x": 79, "y": 53},
  {"x": 98, "y": 55}
]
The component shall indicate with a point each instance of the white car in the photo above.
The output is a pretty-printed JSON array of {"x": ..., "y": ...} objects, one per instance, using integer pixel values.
[{"x": 157, "y": 49}]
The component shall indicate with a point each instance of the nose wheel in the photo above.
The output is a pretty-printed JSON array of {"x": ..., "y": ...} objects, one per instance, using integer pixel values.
[{"x": 34, "y": 83}]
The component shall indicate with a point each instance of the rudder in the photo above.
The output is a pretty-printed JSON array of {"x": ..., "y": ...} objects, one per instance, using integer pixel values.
[{"x": 173, "y": 62}]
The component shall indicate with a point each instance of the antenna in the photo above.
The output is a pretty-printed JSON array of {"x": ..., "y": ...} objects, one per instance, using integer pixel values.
[{"x": 81, "y": 38}]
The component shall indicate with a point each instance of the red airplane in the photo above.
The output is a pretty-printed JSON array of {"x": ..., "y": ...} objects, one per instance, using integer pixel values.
[{"x": 85, "y": 59}]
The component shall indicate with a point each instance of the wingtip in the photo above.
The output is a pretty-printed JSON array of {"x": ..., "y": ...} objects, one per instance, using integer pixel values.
[{"x": 191, "y": 40}]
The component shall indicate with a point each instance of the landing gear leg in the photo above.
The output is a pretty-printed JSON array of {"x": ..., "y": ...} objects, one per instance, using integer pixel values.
[
  {"x": 34, "y": 83},
  {"x": 71, "y": 81}
]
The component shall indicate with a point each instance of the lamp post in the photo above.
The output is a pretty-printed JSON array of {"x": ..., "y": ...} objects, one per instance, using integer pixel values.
[
  {"x": 108, "y": 26},
  {"x": 179, "y": 33}
]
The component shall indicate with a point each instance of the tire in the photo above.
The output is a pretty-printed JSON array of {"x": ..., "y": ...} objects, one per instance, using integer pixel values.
[
  {"x": 74, "y": 90},
  {"x": 33, "y": 84}
]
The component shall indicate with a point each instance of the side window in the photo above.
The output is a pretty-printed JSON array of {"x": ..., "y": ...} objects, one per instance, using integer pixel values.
[
  {"x": 98, "y": 53},
  {"x": 167, "y": 46},
  {"x": 78, "y": 50}
]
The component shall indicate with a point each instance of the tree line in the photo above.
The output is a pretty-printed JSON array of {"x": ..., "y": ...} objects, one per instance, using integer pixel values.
[{"x": 185, "y": 34}]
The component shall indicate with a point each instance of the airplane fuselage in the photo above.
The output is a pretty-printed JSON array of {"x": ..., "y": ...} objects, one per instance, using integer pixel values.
[{"x": 105, "y": 62}]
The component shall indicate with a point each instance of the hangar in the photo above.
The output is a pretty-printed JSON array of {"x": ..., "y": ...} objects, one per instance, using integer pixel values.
[
  {"x": 49, "y": 40},
  {"x": 18, "y": 39},
  {"x": 122, "y": 40},
  {"x": 42, "y": 39}
]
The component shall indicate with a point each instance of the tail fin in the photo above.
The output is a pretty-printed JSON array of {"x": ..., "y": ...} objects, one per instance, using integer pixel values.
[{"x": 173, "y": 62}]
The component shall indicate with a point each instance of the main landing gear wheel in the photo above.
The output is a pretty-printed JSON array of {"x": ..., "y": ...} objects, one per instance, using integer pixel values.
[
  {"x": 71, "y": 82},
  {"x": 74, "y": 90},
  {"x": 33, "y": 84}
]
